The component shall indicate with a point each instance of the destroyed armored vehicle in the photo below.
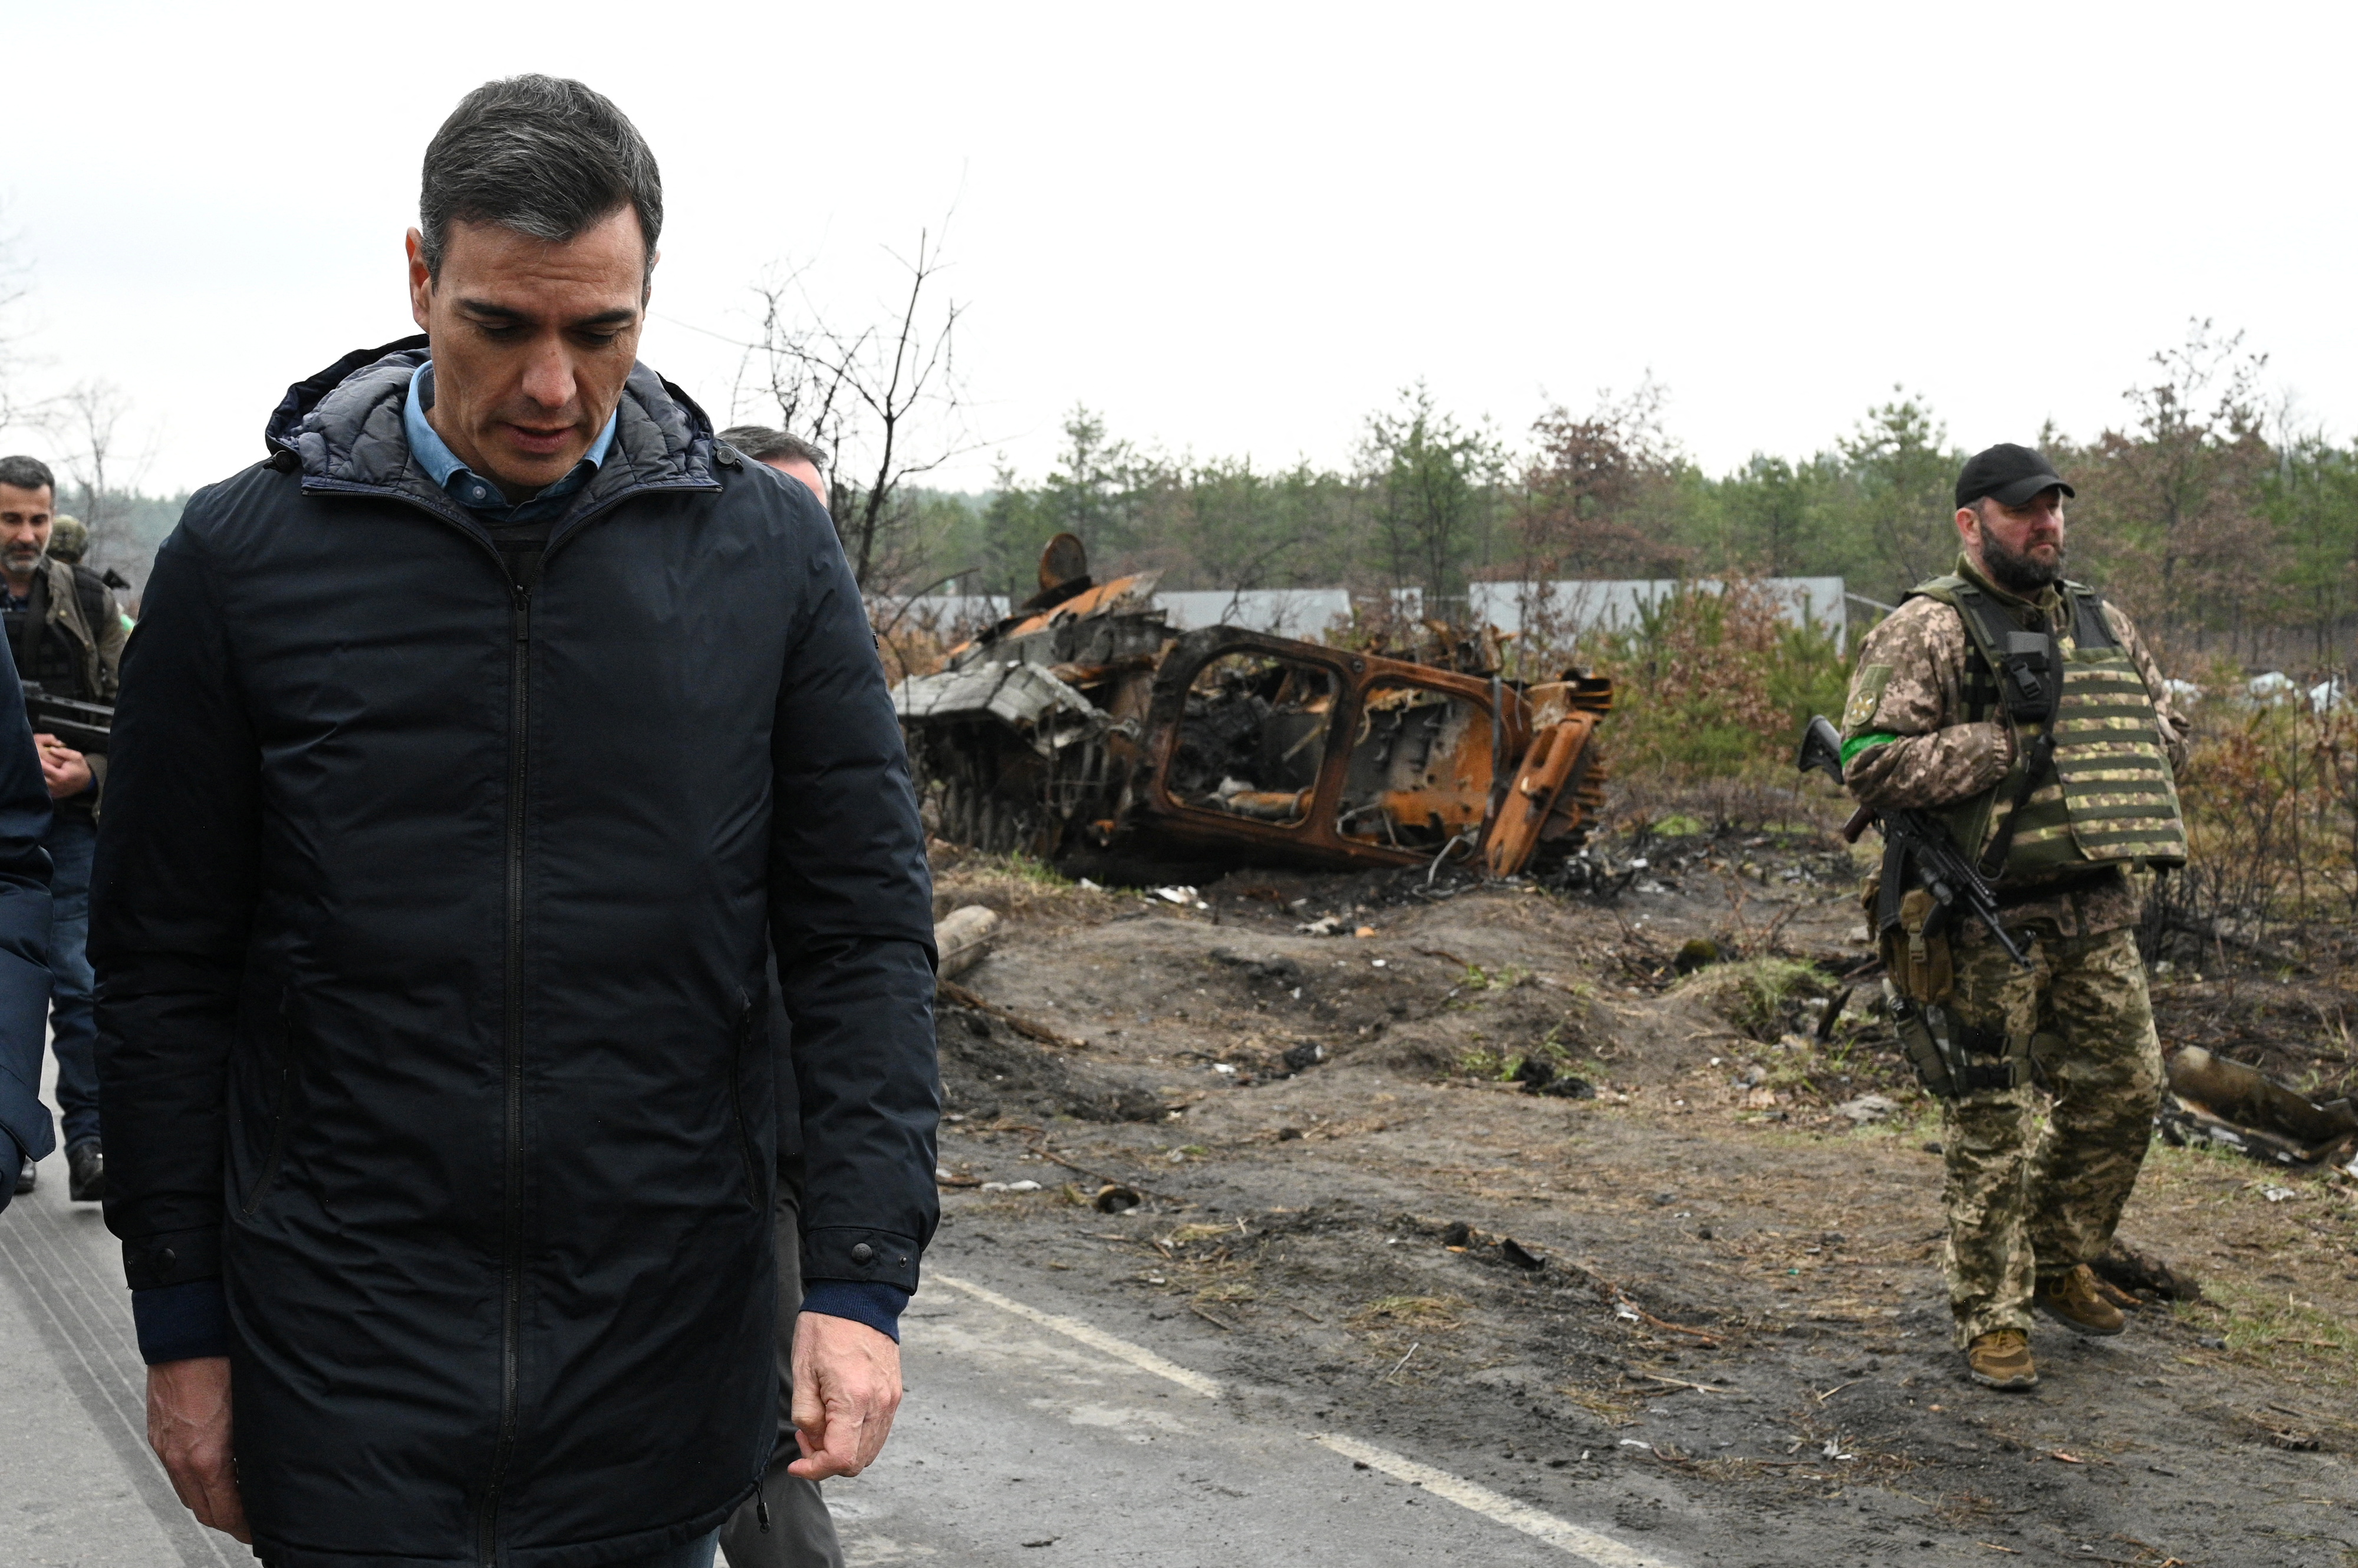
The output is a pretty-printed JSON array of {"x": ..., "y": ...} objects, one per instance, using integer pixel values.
[{"x": 1086, "y": 731}]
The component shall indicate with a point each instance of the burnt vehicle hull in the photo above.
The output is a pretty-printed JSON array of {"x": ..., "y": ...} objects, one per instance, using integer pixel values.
[{"x": 1093, "y": 736}]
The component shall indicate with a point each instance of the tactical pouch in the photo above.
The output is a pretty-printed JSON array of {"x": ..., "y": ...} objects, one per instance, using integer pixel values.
[{"x": 1920, "y": 964}]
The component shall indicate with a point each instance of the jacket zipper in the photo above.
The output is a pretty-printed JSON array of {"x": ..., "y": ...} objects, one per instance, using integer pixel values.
[
  {"x": 745, "y": 1025},
  {"x": 512, "y": 1156},
  {"x": 512, "y": 1070}
]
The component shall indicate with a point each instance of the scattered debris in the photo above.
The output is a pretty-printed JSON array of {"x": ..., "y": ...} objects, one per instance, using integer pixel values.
[
  {"x": 2145, "y": 1275},
  {"x": 1114, "y": 1199},
  {"x": 1022, "y": 1186},
  {"x": 1086, "y": 725},
  {"x": 1868, "y": 1109},
  {"x": 2212, "y": 1100}
]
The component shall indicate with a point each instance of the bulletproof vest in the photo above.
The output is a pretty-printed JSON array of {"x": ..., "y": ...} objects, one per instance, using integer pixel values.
[
  {"x": 44, "y": 652},
  {"x": 2108, "y": 797}
]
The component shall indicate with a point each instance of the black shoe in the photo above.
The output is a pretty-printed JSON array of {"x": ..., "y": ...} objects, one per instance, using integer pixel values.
[
  {"x": 86, "y": 1173},
  {"x": 26, "y": 1177}
]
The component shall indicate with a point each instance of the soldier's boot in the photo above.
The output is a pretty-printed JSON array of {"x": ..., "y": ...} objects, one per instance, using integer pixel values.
[
  {"x": 2001, "y": 1359},
  {"x": 2070, "y": 1299}
]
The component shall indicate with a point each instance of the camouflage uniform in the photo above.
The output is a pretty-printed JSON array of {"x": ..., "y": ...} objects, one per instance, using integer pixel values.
[{"x": 2024, "y": 1194}]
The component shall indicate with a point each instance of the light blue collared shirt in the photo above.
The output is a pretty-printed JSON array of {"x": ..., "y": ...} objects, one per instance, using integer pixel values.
[{"x": 476, "y": 493}]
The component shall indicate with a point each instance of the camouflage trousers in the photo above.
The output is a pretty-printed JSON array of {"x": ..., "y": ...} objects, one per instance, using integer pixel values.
[{"x": 2038, "y": 1176}]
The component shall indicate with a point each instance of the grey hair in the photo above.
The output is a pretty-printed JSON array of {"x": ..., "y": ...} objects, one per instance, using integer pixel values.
[
  {"x": 28, "y": 473},
  {"x": 765, "y": 444},
  {"x": 542, "y": 154}
]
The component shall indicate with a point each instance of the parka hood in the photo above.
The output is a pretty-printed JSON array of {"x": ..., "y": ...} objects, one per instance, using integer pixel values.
[{"x": 342, "y": 426}]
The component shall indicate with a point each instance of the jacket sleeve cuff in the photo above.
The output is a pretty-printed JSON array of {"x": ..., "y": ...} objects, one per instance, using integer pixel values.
[
  {"x": 878, "y": 1306},
  {"x": 856, "y": 1252},
  {"x": 180, "y": 1322},
  {"x": 172, "y": 1258}
]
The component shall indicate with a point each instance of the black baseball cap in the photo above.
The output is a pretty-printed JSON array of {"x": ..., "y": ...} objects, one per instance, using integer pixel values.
[{"x": 2007, "y": 474}]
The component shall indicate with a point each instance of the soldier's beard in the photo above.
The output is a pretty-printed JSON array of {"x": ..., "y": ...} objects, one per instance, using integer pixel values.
[{"x": 2019, "y": 574}]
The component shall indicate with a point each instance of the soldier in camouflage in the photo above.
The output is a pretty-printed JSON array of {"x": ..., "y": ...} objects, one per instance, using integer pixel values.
[{"x": 2027, "y": 713}]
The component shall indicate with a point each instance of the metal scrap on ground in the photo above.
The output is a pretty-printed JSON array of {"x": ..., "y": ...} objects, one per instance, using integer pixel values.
[{"x": 2213, "y": 1100}]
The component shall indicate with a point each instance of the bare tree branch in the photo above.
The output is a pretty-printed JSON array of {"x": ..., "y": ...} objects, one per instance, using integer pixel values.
[
  {"x": 883, "y": 399},
  {"x": 86, "y": 420}
]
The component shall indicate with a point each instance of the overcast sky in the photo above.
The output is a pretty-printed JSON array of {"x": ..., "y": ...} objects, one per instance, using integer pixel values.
[{"x": 1235, "y": 230}]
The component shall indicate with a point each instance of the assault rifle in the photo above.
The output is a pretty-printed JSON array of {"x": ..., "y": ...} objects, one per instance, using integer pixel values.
[
  {"x": 82, "y": 725},
  {"x": 1917, "y": 852}
]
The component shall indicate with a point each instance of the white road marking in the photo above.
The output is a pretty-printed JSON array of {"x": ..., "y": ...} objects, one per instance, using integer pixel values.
[
  {"x": 1096, "y": 1338},
  {"x": 1601, "y": 1550}
]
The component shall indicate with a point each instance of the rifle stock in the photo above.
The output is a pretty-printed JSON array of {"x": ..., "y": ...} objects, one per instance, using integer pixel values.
[{"x": 84, "y": 726}]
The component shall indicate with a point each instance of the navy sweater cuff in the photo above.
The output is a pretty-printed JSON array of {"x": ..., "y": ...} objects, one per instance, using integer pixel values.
[
  {"x": 179, "y": 1323},
  {"x": 861, "y": 1300}
]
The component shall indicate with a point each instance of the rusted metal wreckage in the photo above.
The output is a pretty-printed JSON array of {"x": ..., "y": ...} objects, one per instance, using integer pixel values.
[{"x": 1086, "y": 730}]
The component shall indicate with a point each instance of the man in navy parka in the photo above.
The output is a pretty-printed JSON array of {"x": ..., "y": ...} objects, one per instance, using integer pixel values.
[{"x": 472, "y": 750}]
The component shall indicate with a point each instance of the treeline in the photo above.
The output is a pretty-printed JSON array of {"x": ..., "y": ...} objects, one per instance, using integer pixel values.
[
  {"x": 2228, "y": 526},
  {"x": 2223, "y": 524}
]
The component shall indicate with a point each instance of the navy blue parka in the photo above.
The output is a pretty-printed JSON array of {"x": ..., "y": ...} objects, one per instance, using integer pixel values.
[{"x": 430, "y": 918}]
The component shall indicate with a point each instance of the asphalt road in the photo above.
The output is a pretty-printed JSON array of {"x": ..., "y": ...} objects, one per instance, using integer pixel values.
[{"x": 1030, "y": 1437}]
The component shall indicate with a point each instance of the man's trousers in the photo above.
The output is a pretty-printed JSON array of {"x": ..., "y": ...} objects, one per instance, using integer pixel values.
[
  {"x": 801, "y": 1534},
  {"x": 2029, "y": 1193},
  {"x": 73, "y": 1021}
]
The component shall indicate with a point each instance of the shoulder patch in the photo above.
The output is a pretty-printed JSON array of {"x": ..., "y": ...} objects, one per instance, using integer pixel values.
[{"x": 1865, "y": 696}]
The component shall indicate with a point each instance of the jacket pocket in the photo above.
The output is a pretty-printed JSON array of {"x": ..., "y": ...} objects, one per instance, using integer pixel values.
[
  {"x": 749, "y": 1028},
  {"x": 281, "y": 1108}
]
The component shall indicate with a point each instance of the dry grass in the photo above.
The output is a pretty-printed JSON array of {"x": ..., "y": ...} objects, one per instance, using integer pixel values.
[
  {"x": 2280, "y": 1277},
  {"x": 1016, "y": 887}
]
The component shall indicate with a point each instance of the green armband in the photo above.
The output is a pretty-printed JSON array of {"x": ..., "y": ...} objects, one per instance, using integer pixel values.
[{"x": 1857, "y": 743}]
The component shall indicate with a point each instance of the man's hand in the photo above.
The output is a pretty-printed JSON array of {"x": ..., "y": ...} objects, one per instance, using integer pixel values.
[
  {"x": 65, "y": 770},
  {"x": 187, "y": 1426},
  {"x": 847, "y": 1386}
]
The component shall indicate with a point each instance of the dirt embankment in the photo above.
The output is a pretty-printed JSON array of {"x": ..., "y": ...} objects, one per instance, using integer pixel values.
[{"x": 1489, "y": 1178}]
